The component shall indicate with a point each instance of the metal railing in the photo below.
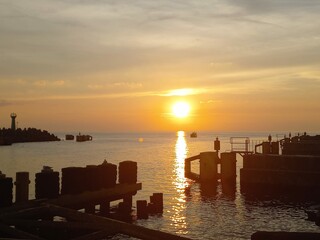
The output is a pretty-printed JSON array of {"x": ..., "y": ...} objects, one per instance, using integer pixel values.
[{"x": 240, "y": 144}]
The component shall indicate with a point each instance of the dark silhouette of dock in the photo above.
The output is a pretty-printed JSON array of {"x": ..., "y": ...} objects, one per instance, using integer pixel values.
[{"x": 71, "y": 213}]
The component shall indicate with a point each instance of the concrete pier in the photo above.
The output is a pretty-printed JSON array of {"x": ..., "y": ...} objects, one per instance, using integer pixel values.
[
  {"x": 209, "y": 166},
  {"x": 290, "y": 171},
  {"x": 228, "y": 167},
  {"x": 209, "y": 162}
]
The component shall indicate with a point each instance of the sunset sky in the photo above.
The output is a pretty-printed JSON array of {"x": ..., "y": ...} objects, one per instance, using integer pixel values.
[{"x": 119, "y": 65}]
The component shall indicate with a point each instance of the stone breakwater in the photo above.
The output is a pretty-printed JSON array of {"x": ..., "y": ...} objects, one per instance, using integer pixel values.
[{"x": 9, "y": 136}]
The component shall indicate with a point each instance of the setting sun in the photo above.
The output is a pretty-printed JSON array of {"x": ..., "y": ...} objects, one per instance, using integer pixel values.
[{"x": 181, "y": 109}]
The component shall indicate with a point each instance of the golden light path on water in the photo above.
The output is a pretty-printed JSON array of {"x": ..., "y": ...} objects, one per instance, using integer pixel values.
[{"x": 178, "y": 217}]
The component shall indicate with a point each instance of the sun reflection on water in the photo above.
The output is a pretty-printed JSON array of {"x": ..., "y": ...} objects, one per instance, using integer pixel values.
[{"x": 180, "y": 182}]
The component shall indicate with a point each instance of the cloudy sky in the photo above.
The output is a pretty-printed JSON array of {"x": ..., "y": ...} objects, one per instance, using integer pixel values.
[{"x": 118, "y": 65}]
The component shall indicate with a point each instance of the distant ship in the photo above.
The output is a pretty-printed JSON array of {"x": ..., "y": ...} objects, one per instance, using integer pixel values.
[
  {"x": 193, "y": 135},
  {"x": 83, "y": 138},
  {"x": 69, "y": 137}
]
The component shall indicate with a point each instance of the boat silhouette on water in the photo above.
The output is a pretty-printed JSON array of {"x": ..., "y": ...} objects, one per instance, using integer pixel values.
[{"x": 193, "y": 135}]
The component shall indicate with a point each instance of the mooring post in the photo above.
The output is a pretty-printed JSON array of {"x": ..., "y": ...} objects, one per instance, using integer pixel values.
[
  {"x": 142, "y": 209},
  {"x": 6, "y": 187},
  {"x": 47, "y": 183},
  {"x": 157, "y": 201},
  {"x": 128, "y": 172},
  {"x": 22, "y": 186}
]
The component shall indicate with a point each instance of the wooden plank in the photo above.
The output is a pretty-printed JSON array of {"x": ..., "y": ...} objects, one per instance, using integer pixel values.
[
  {"x": 121, "y": 227},
  {"x": 264, "y": 235},
  {"x": 55, "y": 224},
  {"x": 28, "y": 212},
  {"x": 18, "y": 233},
  {"x": 21, "y": 206},
  {"x": 80, "y": 200},
  {"x": 77, "y": 216},
  {"x": 96, "y": 235}
]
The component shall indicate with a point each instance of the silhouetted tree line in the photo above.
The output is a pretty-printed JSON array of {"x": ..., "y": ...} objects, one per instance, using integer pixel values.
[{"x": 9, "y": 136}]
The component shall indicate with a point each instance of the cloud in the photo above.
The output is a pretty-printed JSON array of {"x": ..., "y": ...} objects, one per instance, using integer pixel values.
[
  {"x": 58, "y": 83},
  {"x": 132, "y": 85},
  {"x": 209, "y": 101},
  {"x": 218, "y": 45},
  {"x": 46, "y": 83},
  {"x": 275, "y": 6},
  {"x": 4, "y": 103},
  {"x": 40, "y": 83},
  {"x": 182, "y": 92},
  {"x": 115, "y": 85}
]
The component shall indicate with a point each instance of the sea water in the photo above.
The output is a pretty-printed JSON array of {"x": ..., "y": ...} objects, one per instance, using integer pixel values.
[{"x": 190, "y": 209}]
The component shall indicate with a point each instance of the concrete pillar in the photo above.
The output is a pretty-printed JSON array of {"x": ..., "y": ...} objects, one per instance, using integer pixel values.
[
  {"x": 6, "y": 187},
  {"x": 142, "y": 209},
  {"x": 157, "y": 200},
  {"x": 125, "y": 207},
  {"x": 208, "y": 167},
  {"x": 266, "y": 148},
  {"x": 47, "y": 183},
  {"x": 22, "y": 186},
  {"x": 228, "y": 167},
  {"x": 128, "y": 172},
  {"x": 187, "y": 168},
  {"x": 275, "y": 148},
  {"x": 127, "y": 200}
]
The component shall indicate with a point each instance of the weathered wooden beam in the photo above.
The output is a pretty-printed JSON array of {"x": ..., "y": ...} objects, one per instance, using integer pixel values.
[
  {"x": 28, "y": 212},
  {"x": 55, "y": 224},
  {"x": 121, "y": 227},
  {"x": 264, "y": 235},
  {"x": 81, "y": 200},
  {"x": 21, "y": 206},
  {"x": 18, "y": 233},
  {"x": 148, "y": 234},
  {"x": 77, "y": 216},
  {"x": 96, "y": 235}
]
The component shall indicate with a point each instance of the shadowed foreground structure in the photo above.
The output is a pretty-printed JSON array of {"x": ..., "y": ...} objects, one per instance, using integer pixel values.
[
  {"x": 73, "y": 214},
  {"x": 38, "y": 220}
]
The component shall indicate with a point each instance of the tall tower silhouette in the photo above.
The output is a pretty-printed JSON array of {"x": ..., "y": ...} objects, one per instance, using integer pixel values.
[{"x": 13, "y": 121}]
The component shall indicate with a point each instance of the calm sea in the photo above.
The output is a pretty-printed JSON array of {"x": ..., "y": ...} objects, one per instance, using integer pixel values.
[{"x": 198, "y": 212}]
